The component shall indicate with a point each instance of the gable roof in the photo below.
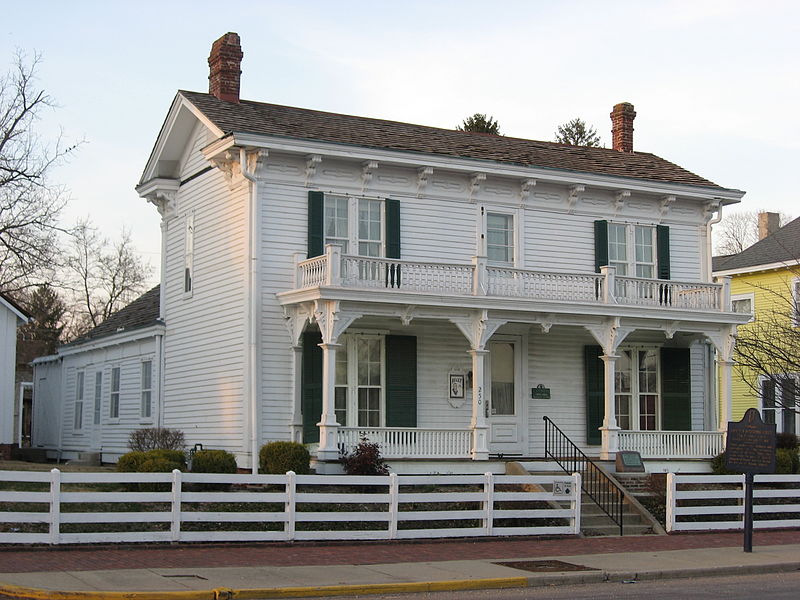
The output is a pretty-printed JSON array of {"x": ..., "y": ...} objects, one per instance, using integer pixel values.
[
  {"x": 142, "y": 312},
  {"x": 260, "y": 118},
  {"x": 783, "y": 246},
  {"x": 22, "y": 314}
]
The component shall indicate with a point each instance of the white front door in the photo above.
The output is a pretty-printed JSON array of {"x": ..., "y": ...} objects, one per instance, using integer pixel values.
[{"x": 505, "y": 418}]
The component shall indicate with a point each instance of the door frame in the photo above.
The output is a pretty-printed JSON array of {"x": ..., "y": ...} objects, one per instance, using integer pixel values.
[{"x": 520, "y": 419}]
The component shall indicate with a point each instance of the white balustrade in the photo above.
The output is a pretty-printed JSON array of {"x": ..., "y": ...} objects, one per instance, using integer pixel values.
[
  {"x": 667, "y": 294},
  {"x": 409, "y": 442},
  {"x": 404, "y": 275},
  {"x": 312, "y": 272},
  {"x": 672, "y": 444},
  {"x": 567, "y": 287}
]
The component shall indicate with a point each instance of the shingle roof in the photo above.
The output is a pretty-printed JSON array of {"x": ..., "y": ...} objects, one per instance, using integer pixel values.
[
  {"x": 781, "y": 246},
  {"x": 272, "y": 119},
  {"x": 142, "y": 312}
]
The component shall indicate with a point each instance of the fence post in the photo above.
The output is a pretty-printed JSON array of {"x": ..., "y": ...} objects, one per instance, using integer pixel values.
[
  {"x": 289, "y": 510},
  {"x": 175, "y": 527},
  {"x": 575, "y": 503},
  {"x": 55, "y": 506},
  {"x": 394, "y": 504},
  {"x": 488, "y": 490},
  {"x": 671, "y": 489}
]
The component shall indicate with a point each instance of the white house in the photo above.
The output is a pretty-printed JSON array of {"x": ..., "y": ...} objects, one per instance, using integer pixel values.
[
  {"x": 327, "y": 277},
  {"x": 11, "y": 316}
]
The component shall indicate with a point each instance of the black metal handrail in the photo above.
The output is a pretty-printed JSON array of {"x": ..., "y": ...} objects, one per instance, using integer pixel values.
[{"x": 604, "y": 491}]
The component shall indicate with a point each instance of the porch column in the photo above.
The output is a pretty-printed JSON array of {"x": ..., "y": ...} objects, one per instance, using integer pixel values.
[
  {"x": 297, "y": 394},
  {"x": 480, "y": 442},
  {"x": 328, "y": 450},
  {"x": 609, "y": 428},
  {"x": 725, "y": 413}
]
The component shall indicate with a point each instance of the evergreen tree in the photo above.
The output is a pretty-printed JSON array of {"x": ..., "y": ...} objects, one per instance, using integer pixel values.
[
  {"x": 577, "y": 133},
  {"x": 480, "y": 123}
]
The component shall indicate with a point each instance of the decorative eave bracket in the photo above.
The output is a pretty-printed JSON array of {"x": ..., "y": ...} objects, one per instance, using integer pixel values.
[
  {"x": 367, "y": 169},
  {"x": 312, "y": 162},
  {"x": 572, "y": 199},
  {"x": 423, "y": 173},
  {"x": 619, "y": 200},
  {"x": 475, "y": 185},
  {"x": 163, "y": 194},
  {"x": 666, "y": 204},
  {"x": 525, "y": 189}
]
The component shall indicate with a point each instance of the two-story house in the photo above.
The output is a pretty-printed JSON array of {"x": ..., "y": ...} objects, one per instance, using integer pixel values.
[
  {"x": 328, "y": 277},
  {"x": 765, "y": 285}
]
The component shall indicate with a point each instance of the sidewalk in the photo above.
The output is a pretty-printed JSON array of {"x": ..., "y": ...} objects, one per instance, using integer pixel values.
[{"x": 303, "y": 570}]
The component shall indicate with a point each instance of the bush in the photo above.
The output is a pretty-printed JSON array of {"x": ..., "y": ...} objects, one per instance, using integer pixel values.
[
  {"x": 152, "y": 461},
  {"x": 213, "y": 461},
  {"x": 786, "y": 440},
  {"x": 787, "y": 461},
  {"x": 718, "y": 466},
  {"x": 365, "y": 459},
  {"x": 280, "y": 457},
  {"x": 156, "y": 438}
]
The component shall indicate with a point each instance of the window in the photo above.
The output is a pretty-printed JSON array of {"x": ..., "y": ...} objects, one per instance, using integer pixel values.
[
  {"x": 147, "y": 389},
  {"x": 359, "y": 387},
  {"x": 98, "y": 396},
  {"x": 631, "y": 249},
  {"x": 636, "y": 389},
  {"x": 500, "y": 237},
  {"x": 113, "y": 404},
  {"x": 744, "y": 304},
  {"x": 778, "y": 402},
  {"x": 78, "y": 421},
  {"x": 502, "y": 374},
  {"x": 188, "y": 255},
  {"x": 355, "y": 224},
  {"x": 796, "y": 302}
]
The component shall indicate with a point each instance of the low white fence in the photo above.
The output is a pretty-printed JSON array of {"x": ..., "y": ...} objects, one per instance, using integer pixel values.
[
  {"x": 60, "y": 508},
  {"x": 703, "y": 502},
  {"x": 672, "y": 444},
  {"x": 409, "y": 442}
]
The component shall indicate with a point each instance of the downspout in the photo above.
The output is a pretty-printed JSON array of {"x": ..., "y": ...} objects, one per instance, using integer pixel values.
[
  {"x": 252, "y": 364},
  {"x": 711, "y": 352},
  {"x": 709, "y": 251},
  {"x": 162, "y": 316}
]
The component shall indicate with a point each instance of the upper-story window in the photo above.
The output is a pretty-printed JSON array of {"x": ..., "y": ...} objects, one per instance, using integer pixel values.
[
  {"x": 796, "y": 302},
  {"x": 744, "y": 304},
  {"x": 631, "y": 249},
  {"x": 500, "y": 237},
  {"x": 355, "y": 224}
]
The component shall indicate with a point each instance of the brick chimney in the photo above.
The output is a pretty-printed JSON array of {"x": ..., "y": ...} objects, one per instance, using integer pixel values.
[
  {"x": 224, "y": 64},
  {"x": 622, "y": 127},
  {"x": 768, "y": 223}
]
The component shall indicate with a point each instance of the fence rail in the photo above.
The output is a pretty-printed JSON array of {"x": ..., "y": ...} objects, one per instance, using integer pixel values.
[
  {"x": 704, "y": 502},
  {"x": 83, "y": 508}
]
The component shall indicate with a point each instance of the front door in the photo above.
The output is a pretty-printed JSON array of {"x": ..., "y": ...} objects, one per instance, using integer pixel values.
[{"x": 505, "y": 419}]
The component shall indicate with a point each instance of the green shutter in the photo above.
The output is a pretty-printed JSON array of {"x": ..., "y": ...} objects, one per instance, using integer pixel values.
[
  {"x": 595, "y": 393},
  {"x": 600, "y": 245},
  {"x": 676, "y": 397},
  {"x": 311, "y": 386},
  {"x": 392, "y": 228},
  {"x": 662, "y": 251},
  {"x": 316, "y": 219},
  {"x": 401, "y": 381}
]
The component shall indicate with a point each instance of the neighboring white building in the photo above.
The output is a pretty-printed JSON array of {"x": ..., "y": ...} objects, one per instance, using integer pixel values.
[
  {"x": 327, "y": 276},
  {"x": 11, "y": 317}
]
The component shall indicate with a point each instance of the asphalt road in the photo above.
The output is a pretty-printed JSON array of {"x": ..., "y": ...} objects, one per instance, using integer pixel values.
[{"x": 774, "y": 586}]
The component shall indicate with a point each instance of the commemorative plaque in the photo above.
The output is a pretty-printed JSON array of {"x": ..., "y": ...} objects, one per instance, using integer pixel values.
[{"x": 750, "y": 449}]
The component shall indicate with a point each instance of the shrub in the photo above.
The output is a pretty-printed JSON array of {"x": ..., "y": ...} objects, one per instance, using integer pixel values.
[
  {"x": 718, "y": 466},
  {"x": 213, "y": 461},
  {"x": 280, "y": 457},
  {"x": 152, "y": 461},
  {"x": 365, "y": 459},
  {"x": 156, "y": 438},
  {"x": 787, "y": 461},
  {"x": 786, "y": 440}
]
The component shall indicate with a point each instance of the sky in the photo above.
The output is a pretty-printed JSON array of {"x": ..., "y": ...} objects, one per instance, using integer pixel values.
[{"x": 715, "y": 84}]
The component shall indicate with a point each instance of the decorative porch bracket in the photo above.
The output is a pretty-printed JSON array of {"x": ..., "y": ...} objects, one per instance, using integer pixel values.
[
  {"x": 478, "y": 328},
  {"x": 609, "y": 334},
  {"x": 296, "y": 317},
  {"x": 724, "y": 342}
]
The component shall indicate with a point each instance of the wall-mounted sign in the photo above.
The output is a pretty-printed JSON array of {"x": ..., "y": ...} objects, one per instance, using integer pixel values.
[
  {"x": 540, "y": 392},
  {"x": 456, "y": 385}
]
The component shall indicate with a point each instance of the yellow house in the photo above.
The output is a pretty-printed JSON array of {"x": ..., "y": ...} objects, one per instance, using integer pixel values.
[{"x": 765, "y": 282}]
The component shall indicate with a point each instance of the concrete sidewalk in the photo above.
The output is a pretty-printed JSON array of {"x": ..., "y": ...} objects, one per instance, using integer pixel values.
[{"x": 204, "y": 582}]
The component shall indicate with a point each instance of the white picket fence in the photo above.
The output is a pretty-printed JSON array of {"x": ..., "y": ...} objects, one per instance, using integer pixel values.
[
  {"x": 703, "y": 502},
  {"x": 83, "y": 508}
]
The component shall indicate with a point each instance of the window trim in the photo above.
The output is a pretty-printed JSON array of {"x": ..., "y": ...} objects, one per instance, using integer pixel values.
[
  {"x": 350, "y": 342},
  {"x": 630, "y": 249},
  {"x": 796, "y": 302},
  {"x": 353, "y": 238},
  {"x": 778, "y": 411},
  {"x": 114, "y": 395},
  {"x": 516, "y": 228},
  {"x": 80, "y": 385},
  {"x": 97, "y": 408},
  {"x": 634, "y": 414},
  {"x": 746, "y": 296},
  {"x": 145, "y": 390}
]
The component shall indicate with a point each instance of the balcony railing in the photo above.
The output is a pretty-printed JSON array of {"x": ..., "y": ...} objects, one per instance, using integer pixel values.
[
  {"x": 672, "y": 444},
  {"x": 409, "y": 442},
  {"x": 479, "y": 279}
]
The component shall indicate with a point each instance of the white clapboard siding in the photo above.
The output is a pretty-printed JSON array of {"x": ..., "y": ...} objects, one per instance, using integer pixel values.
[
  {"x": 716, "y": 502},
  {"x": 176, "y": 514}
]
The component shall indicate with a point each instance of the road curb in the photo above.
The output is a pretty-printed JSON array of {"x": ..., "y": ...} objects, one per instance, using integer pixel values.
[{"x": 12, "y": 592}]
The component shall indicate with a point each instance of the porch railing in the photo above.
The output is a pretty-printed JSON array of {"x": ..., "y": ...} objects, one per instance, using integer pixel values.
[
  {"x": 409, "y": 442},
  {"x": 479, "y": 279},
  {"x": 603, "y": 490},
  {"x": 672, "y": 444}
]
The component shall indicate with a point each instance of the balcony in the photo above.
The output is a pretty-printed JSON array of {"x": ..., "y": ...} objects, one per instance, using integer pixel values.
[{"x": 480, "y": 279}]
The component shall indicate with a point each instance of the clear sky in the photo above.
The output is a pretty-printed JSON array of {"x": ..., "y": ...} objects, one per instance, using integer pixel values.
[{"x": 715, "y": 83}]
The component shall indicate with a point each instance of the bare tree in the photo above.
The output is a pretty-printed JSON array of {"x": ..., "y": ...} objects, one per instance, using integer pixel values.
[
  {"x": 739, "y": 230},
  {"x": 577, "y": 133},
  {"x": 102, "y": 276},
  {"x": 29, "y": 204}
]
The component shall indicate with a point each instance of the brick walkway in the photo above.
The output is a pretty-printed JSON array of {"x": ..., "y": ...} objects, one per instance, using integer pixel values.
[{"x": 74, "y": 558}]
